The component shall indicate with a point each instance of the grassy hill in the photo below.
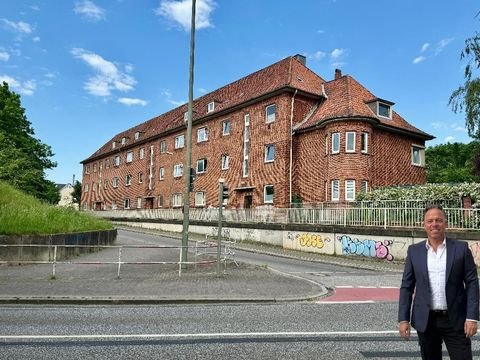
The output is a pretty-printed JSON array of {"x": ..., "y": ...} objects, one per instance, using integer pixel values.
[{"x": 21, "y": 214}]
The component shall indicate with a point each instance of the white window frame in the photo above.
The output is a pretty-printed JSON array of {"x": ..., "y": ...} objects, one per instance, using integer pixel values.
[
  {"x": 200, "y": 198},
  {"x": 364, "y": 142},
  {"x": 185, "y": 116},
  {"x": 85, "y": 188},
  {"x": 129, "y": 157},
  {"x": 349, "y": 142},
  {"x": 87, "y": 169},
  {"x": 163, "y": 147},
  {"x": 160, "y": 201},
  {"x": 126, "y": 203},
  {"x": 335, "y": 149},
  {"x": 161, "y": 173},
  {"x": 116, "y": 160},
  {"x": 335, "y": 186},
  {"x": 421, "y": 155},
  {"x": 201, "y": 163},
  {"x": 225, "y": 162},
  {"x": 115, "y": 182},
  {"x": 107, "y": 163},
  {"x": 124, "y": 140},
  {"x": 137, "y": 135},
  {"x": 389, "y": 107},
  {"x": 211, "y": 106},
  {"x": 95, "y": 167},
  {"x": 177, "y": 200},
  {"x": 269, "y": 115},
  {"x": 141, "y": 153},
  {"x": 177, "y": 170},
  {"x": 246, "y": 145},
  {"x": 202, "y": 134},
  {"x": 114, "y": 205},
  {"x": 267, "y": 147},
  {"x": 350, "y": 190},
  {"x": 364, "y": 186},
  {"x": 226, "y": 124},
  {"x": 265, "y": 200},
  {"x": 179, "y": 141},
  {"x": 128, "y": 180},
  {"x": 140, "y": 177},
  {"x": 114, "y": 144},
  {"x": 139, "y": 202}
]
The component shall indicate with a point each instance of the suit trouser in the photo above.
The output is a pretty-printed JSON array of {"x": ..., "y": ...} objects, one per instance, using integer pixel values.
[{"x": 439, "y": 329}]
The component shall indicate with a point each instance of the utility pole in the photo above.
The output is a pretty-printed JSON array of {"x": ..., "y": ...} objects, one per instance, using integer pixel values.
[
  {"x": 188, "y": 155},
  {"x": 219, "y": 234}
]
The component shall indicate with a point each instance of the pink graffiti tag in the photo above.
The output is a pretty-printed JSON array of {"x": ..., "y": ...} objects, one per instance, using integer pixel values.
[{"x": 381, "y": 250}]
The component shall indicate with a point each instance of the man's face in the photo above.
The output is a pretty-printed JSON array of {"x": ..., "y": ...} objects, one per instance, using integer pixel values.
[{"x": 435, "y": 224}]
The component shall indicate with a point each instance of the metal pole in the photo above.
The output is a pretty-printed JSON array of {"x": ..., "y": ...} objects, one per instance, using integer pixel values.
[
  {"x": 219, "y": 234},
  {"x": 188, "y": 155},
  {"x": 119, "y": 262}
]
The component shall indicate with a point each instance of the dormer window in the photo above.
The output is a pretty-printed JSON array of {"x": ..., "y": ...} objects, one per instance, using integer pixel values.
[
  {"x": 137, "y": 135},
  {"x": 185, "y": 116},
  {"x": 124, "y": 140},
  {"x": 114, "y": 143},
  {"x": 384, "y": 110},
  {"x": 211, "y": 106}
]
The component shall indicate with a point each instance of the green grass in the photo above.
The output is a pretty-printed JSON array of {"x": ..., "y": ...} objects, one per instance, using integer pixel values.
[{"x": 21, "y": 214}]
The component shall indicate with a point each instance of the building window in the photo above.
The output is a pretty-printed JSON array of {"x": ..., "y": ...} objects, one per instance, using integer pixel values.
[
  {"x": 226, "y": 127},
  {"x": 185, "y": 116},
  {"x": 86, "y": 169},
  {"x": 418, "y": 155},
  {"x": 177, "y": 200},
  {"x": 364, "y": 142},
  {"x": 137, "y": 135},
  {"x": 115, "y": 182},
  {"x": 268, "y": 194},
  {"x": 202, "y": 134},
  {"x": 335, "y": 143},
  {"x": 177, "y": 170},
  {"x": 107, "y": 163},
  {"x": 129, "y": 157},
  {"x": 350, "y": 141},
  {"x": 124, "y": 140},
  {"x": 364, "y": 186},
  {"x": 201, "y": 166},
  {"x": 225, "y": 162},
  {"x": 269, "y": 153},
  {"x": 163, "y": 146},
  {"x": 200, "y": 198},
  {"x": 162, "y": 173},
  {"x": 114, "y": 144},
  {"x": 126, "y": 204},
  {"x": 211, "y": 106},
  {"x": 105, "y": 184},
  {"x": 335, "y": 190},
  {"x": 114, "y": 205},
  {"x": 179, "y": 141},
  {"x": 246, "y": 144},
  {"x": 128, "y": 180},
  {"x": 349, "y": 190},
  {"x": 141, "y": 153},
  {"x": 116, "y": 160},
  {"x": 384, "y": 110},
  {"x": 160, "y": 201},
  {"x": 140, "y": 177},
  {"x": 270, "y": 113},
  {"x": 85, "y": 188},
  {"x": 95, "y": 167},
  {"x": 139, "y": 203}
]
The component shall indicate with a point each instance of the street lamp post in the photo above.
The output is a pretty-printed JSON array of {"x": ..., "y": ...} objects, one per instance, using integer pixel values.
[{"x": 188, "y": 155}]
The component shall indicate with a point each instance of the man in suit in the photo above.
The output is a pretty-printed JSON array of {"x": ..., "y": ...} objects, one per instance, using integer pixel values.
[{"x": 442, "y": 274}]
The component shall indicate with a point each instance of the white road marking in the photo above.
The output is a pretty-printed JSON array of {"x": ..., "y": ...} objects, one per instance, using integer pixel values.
[{"x": 346, "y": 302}]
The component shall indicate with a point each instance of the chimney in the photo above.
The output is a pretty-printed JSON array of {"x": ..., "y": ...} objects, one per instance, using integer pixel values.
[
  {"x": 302, "y": 59},
  {"x": 338, "y": 74}
]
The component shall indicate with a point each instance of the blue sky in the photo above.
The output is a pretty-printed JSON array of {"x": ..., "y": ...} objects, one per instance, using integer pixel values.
[{"x": 87, "y": 70}]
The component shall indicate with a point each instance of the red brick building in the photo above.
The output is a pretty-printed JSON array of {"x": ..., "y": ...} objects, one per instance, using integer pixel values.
[{"x": 278, "y": 135}]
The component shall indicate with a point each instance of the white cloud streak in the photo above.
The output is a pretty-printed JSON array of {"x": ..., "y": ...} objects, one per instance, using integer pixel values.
[
  {"x": 21, "y": 28},
  {"x": 89, "y": 10},
  {"x": 179, "y": 12},
  {"x": 419, "y": 59},
  {"x": 336, "y": 54},
  {"x": 427, "y": 51},
  {"x": 26, "y": 88},
  {"x": 108, "y": 77},
  {"x": 131, "y": 101},
  {"x": 4, "y": 56}
]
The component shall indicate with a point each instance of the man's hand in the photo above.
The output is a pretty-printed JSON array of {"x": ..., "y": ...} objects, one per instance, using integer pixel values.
[
  {"x": 470, "y": 328},
  {"x": 404, "y": 329}
]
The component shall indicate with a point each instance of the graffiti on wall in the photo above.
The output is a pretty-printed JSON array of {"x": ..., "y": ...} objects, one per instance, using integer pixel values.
[
  {"x": 308, "y": 239},
  {"x": 225, "y": 232},
  {"x": 366, "y": 247}
]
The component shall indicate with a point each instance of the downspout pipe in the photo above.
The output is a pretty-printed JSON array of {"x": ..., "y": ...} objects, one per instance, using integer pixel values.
[{"x": 291, "y": 145}]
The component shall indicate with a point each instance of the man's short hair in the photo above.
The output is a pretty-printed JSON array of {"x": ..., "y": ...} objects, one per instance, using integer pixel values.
[{"x": 433, "y": 206}]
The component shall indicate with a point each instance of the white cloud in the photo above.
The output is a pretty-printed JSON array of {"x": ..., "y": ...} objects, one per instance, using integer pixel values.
[
  {"x": 337, "y": 54},
  {"x": 320, "y": 31},
  {"x": 168, "y": 97},
  {"x": 419, "y": 59},
  {"x": 180, "y": 12},
  {"x": 441, "y": 45},
  {"x": 4, "y": 56},
  {"x": 89, "y": 10},
  {"x": 130, "y": 101},
  {"x": 318, "y": 55},
  {"x": 36, "y": 39},
  {"x": 108, "y": 77},
  {"x": 22, "y": 28},
  {"x": 26, "y": 88},
  {"x": 449, "y": 139},
  {"x": 438, "y": 125},
  {"x": 424, "y": 47}
]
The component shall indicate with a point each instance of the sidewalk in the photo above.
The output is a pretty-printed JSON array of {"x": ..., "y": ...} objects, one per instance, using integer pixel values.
[{"x": 96, "y": 284}]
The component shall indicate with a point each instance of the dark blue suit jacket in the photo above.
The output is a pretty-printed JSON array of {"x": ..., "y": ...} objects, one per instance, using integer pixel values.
[{"x": 461, "y": 286}]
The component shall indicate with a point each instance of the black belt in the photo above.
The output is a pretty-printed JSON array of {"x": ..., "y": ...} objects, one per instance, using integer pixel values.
[{"x": 439, "y": 312}]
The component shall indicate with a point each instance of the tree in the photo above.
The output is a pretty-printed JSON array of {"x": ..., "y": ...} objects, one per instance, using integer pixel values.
[
  {"x": 452, "y": 163},
  {"x": 467, "y": 97},
  {"x": 23, "y": 158},
  {"x": 77, "y": 193}
]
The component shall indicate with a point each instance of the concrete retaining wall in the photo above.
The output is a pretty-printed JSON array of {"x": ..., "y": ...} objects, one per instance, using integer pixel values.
[
  {"x": 382, "y": 244},
  {"x": 27, "y": 253}
]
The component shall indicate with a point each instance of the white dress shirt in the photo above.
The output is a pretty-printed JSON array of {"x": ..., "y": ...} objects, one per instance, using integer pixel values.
[{"x": 437, "y": 267}]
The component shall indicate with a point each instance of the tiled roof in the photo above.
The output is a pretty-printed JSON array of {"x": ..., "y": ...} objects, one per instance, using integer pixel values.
[
  {"x": 288, "y": 72},
  {"x": 347, "y": 98}
]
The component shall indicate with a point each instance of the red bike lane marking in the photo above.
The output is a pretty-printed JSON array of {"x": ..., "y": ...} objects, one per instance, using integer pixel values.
[{"x": 363, "y": 294}]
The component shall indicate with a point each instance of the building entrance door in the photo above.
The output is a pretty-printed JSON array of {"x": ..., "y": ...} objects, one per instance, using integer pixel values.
[
  {"x": 149, "y": 203},
  {"x": 247, "y": 202}
]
